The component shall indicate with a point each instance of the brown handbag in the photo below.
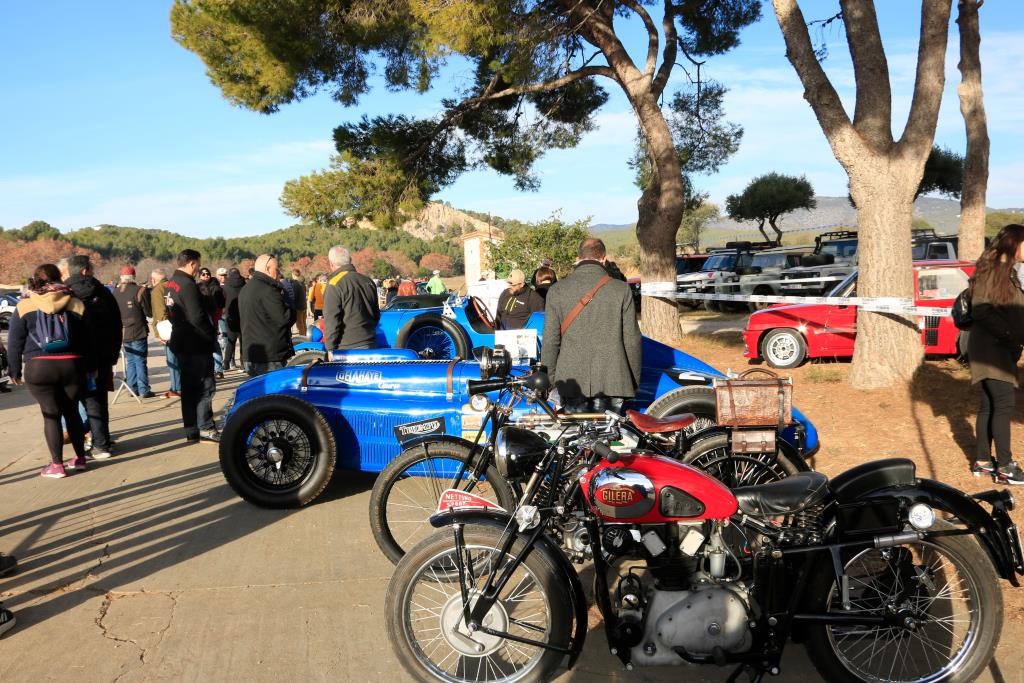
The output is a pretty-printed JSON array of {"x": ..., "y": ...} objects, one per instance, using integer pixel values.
[{"x": 581, "y": 304}]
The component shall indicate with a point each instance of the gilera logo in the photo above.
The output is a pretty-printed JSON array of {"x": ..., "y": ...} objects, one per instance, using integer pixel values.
[
  {"x": 420, "y": 428},
  {"x": 618, "y": 496},
  {"x": 360, "y": 378}
]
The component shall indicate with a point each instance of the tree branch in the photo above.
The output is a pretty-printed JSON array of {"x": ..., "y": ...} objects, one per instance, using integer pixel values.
[
  {"x": 872, "y": 115},
  {"x": 572, "y": 76},
  {"x": 818, "y": 90},
  {"x": 652, "y": 36},
  {"x": 668, "y": 59},
  {"x": 931, "y": 77}
]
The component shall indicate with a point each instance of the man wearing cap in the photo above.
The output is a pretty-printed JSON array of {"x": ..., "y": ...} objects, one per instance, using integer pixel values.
[
  {"x": 436, "y": 285},
  {"x": 517, "y": 302},
  {"x": 134, "y": 305}
]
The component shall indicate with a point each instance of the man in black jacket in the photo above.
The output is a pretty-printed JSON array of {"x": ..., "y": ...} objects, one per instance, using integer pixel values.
[
  {"x": 266, "y": 319},
  {"x": 103, "y": 314},
  {"x": 193, "y": 341},
  {"x": 233, "y": 283},
  {"x": 133, "y": 303},
  {"x": 351, "y": 311}
]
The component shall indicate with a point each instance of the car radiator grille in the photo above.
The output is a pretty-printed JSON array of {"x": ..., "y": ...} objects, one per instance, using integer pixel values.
[{"x": 931, "y": 330}]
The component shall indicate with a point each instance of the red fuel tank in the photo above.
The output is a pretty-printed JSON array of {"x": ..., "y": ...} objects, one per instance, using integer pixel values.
[{"x": 648, "y": 489}]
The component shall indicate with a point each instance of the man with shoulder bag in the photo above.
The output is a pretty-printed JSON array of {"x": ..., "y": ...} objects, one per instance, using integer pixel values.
[{"x": 591, "y": 338}]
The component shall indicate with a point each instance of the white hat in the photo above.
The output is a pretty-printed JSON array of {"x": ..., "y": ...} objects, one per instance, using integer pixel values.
[{"x": 437, "y": 272}]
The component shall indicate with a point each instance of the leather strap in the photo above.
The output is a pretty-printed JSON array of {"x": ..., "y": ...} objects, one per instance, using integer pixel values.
[
  {"x": 582, "y": 303},
  {"x": 449, "y": 388}
]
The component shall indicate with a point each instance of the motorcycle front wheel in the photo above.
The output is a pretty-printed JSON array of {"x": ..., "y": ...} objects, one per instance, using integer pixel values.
[
  {"x": 406, "y": 492},
  {"x": 424, "y": 611},
  {"x": 948, "y": 589}
]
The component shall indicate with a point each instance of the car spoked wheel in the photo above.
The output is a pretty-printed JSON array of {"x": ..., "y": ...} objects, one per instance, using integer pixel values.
[
  {"x": 426, "y": 612},
  {"x": 431, "y": 343},
  {"x": 784, "y": 348},
  {"x": 942, "y": 611},
  {"x": 277, "y": 451}
]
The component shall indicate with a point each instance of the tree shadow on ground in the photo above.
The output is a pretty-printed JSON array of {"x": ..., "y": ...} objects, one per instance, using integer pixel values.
[{"x": 950, "y": 395}]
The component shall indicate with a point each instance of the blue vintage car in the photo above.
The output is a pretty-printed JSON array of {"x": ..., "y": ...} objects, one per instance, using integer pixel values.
[
  {"x": 436, "y": 327},
  {"x": 285, "y": 431}
]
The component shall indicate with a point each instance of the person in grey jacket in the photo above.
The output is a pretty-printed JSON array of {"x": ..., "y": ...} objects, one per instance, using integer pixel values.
[
  {"x": 993, "y": 348},
  {"x": 351, "y": 311},
  {"x": 595, "y": 363}
]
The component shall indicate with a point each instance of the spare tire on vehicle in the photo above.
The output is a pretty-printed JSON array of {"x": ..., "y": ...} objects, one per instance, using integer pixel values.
[
  {"x": 434, "y": 336},
  {"x": 306, "y": 357}
]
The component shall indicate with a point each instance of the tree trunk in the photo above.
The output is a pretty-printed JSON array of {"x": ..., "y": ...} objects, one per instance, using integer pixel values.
[
  {"x": 888, "y": 346},
  {"x": 972, "y": 106},
  {"x": 660, "y": 211}
]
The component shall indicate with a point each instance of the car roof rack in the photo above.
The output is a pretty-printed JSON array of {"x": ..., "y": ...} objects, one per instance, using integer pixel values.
[{"x": 834, "y": 235}]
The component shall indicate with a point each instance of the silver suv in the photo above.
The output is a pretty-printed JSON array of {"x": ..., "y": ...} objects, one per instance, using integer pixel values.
[
  {"x": 762, "y": 276},
  {"x": 834, "y": 257}
]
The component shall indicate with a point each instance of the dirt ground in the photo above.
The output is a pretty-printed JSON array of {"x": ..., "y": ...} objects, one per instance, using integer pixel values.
[{"x": 931, "y": 422}]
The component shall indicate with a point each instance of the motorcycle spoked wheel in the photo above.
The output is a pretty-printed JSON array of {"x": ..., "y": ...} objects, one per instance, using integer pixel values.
[
  {"x": 712, "y": 455},
  {"x": 424, "y": 605},
  {"x": 956, "y": 604},
  {"x": 406, "y": 492}
]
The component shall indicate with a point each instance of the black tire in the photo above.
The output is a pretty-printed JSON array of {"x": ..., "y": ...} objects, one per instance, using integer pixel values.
[
  {"x": 760, "y": 291},
  {"x": 432, "y": 556},
  {"x": 306, "y": 357},
  {"x": 302, "y": 438},
  {"x": 699, "y": 400},
  {"x": 712, "y": 306},
  {"x": 5, "y": 321},
  {"x": 784, "y": 348},
  {"x": 713, "y": 455},
  {"x": 459, "y": 340},
  {"x": 979, "y": 580},
  {"x": 299, "y": 339},
  {"x": 383, "y": 525}
]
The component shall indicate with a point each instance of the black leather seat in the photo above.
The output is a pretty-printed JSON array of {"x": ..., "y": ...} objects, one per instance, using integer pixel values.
[{"x": 785, "y": 497}]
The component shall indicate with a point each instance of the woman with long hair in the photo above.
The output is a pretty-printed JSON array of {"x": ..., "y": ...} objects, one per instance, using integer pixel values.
[
  {"x": 994, "y": 347},
  {"x": 51, "y": 351}
]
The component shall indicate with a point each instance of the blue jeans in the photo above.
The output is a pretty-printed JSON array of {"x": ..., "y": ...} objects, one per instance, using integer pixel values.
[
  {"x": 174, "y": 368},
  {"x": 136, "y": 368}
]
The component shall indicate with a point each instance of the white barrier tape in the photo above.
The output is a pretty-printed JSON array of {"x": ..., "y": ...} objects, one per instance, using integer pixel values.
[
  {"x": 877, "y": 304},
  {"x": 735, "y": 283}
]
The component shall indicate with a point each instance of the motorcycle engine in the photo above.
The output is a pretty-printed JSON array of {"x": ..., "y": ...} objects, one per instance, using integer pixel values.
[{"x": 698, "y": 621}]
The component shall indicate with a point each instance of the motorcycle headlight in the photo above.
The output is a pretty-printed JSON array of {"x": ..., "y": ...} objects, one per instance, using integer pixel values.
[
  {"x": 479, "y": 402},
  {"x": 921, "y": 516},
  {"x": 517, "y": 451}
]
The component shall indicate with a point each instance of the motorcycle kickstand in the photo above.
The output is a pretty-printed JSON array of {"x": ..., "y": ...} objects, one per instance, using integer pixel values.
[{"x": 755, "y": 673}]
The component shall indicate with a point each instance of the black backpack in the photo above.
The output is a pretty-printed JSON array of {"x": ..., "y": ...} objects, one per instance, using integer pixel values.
[{"x": 961, "y": 311}]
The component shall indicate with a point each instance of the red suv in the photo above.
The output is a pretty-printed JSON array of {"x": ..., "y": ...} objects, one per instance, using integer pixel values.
[{"x": 784, "y": 336}]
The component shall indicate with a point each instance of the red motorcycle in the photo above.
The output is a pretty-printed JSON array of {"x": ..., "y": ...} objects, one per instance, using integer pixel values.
[{"x": 882, "y": 575}]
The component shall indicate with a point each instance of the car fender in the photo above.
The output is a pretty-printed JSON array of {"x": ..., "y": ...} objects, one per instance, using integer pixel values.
[
  {"x": 438, "y": 438},
  {"x": 502, "y": 520}
]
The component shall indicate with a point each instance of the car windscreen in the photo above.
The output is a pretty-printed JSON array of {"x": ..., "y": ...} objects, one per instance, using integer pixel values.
[
  {"x": 840, "y": 248},
  {"x": 940, "y": 283},
  {"x": 720, "y": 262},
  {"x": 689, "y": 265},
  {"x": 847, "y": 287},
  {"x": 767, "y": 261}
]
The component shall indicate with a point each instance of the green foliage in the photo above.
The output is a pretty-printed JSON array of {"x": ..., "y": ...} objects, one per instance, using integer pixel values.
[
  {"x": 381, "y": 269},
  {"x": 694, "y": 221},
  {"x": 525, "y": 247},
  {"x": 943, "y": 174},
  {"x": 36, "y": 230},
  {"x": 768, "y": 197},
  {"x": 704, "y": 140},
  {"x": 996, "y": 220},
  {"x": 920, "y": 223}
]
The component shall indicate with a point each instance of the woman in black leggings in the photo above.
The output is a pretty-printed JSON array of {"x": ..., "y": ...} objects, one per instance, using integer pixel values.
[
  {"x": 50, "y": 348},
  {"x": 993, "y": 348}
]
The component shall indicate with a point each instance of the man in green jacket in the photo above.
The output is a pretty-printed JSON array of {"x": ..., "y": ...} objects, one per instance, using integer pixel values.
[{"x": 435, "y": 285}]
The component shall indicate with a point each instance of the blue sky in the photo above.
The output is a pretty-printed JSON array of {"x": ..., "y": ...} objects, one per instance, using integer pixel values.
[{"x": 107, "y": 120}]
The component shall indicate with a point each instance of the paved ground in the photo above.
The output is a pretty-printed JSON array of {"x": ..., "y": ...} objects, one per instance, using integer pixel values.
[{"x": 147, "y": 567}]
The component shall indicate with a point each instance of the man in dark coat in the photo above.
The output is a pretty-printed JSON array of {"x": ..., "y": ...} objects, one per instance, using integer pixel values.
[
  {"x": 132, "y": 300},
  {"x": 193, "y": 341},
  {"x": 351, "y": 309},
  {"x": 595, "y": 362},
  {"x": 103, "y": 314},
  {"x": 233, "y": 283},
  {"x": 299, "y": 301},
  {"x": 517, "y": 303},
  {"x": 266, "y": 319}
]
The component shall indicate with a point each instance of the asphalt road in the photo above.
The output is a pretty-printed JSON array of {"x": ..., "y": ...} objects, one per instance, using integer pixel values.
[{"x": 147, "y": 567}]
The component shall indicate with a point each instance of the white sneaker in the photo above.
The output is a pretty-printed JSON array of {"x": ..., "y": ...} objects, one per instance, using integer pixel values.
[{"x": 101, "y": 455}]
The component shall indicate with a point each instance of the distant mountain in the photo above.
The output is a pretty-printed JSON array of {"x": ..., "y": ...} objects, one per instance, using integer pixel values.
[{"x": 606, "y": 227}]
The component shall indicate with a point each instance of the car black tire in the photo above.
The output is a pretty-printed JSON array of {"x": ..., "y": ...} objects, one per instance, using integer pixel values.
[
  {"x": 383, "y": 487},
  {"x": 306, "y": 357},
  {"x": 978, "y": 570},
  {"x": 449, "y": 326},
  {"x": 5, "y": 321},
  {"x": 547, "y": 573},
  {"x": 306, "y": 428},
  {"x": 784, "y": 348},
  {"x": 712, "y": 306},
  {"x": 754, "y": 306}
]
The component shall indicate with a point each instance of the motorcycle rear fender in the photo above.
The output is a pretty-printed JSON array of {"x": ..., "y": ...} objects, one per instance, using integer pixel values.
[
  {"x": 502, "y": 520},
  {"x": 438, "y": 438},
  {"x": 991, "y": 529}
]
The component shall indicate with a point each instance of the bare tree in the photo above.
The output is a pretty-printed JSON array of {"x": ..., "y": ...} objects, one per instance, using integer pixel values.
[
  {"x": 972, "y": 106},
  {"x": 884, "y": 173}
]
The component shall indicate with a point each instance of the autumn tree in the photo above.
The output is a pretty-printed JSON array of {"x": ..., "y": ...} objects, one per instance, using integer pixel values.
[
  {"x": 433, "y": 261},
  {"x": 767, "y": 198},
  {"x": 972, "y": 107},
  {"x": 533, "y": 85},
  {"x": 884, "y": 173}
]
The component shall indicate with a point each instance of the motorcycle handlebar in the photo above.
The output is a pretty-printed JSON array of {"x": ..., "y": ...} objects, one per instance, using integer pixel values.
[{"x": 605, "y": 451}]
